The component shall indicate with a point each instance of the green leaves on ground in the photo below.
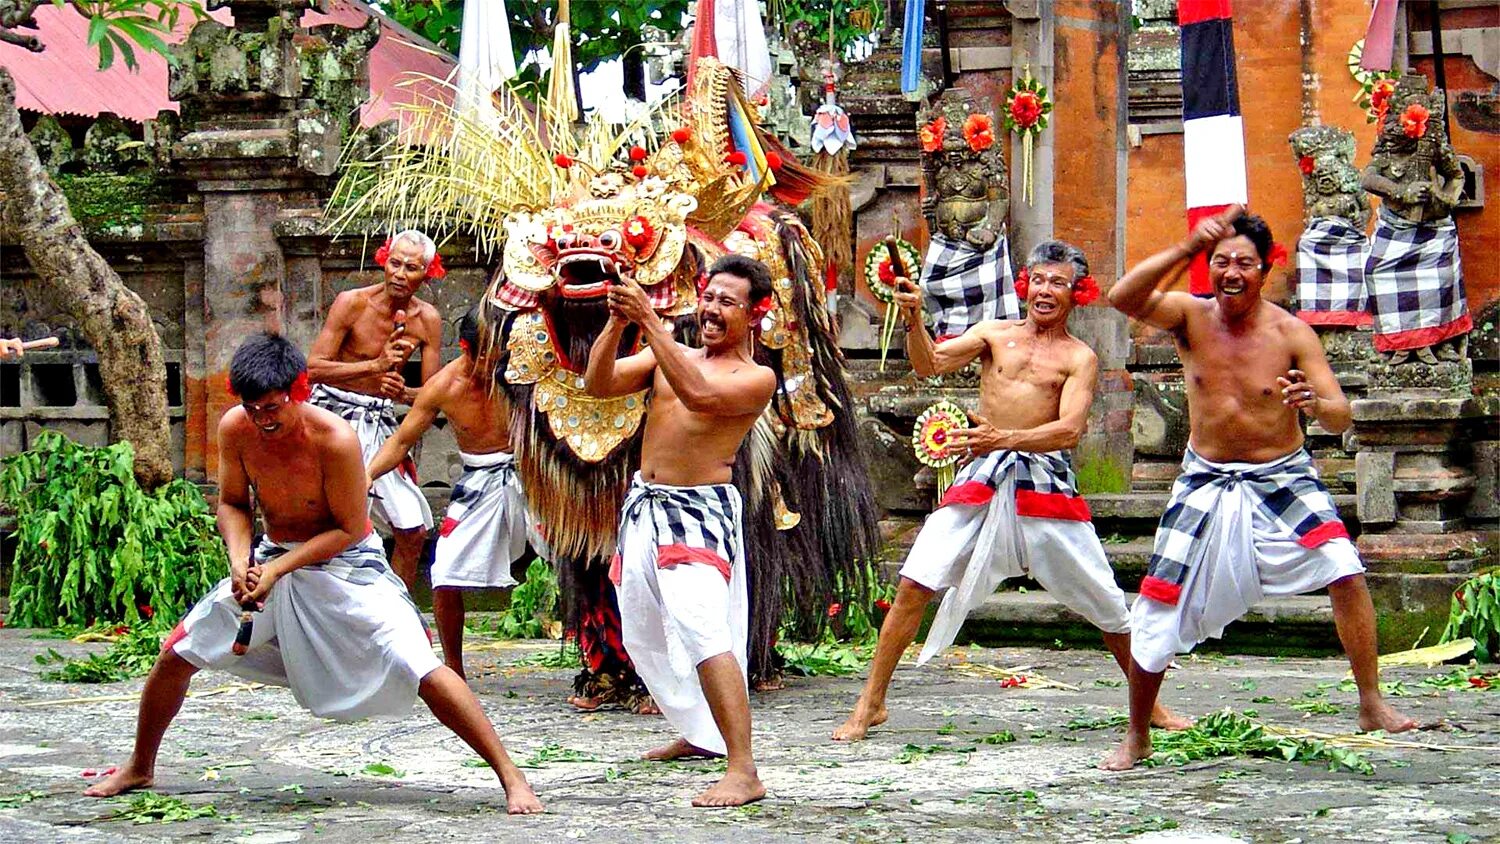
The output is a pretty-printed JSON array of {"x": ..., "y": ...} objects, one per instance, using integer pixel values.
[
  {"x": 1230, "y": 733},
  {"x": 533, "y": 605},
  {"x": 1475, "y": 613},
  {"x": 131, "y": 656},
  {"x": 150, "y": 807},
  {"x": 551, "y": 751},
  {"x": 92, "y": 546}
]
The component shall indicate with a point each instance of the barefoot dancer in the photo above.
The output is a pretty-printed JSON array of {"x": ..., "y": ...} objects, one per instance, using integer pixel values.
[
  {"x": 1014, "y": 509},
  {"x": 486, "y": 528},
  {"x": 1248, "y": 516},
  {"x": 334, "y": 625},
  {"x": 356, "y": 364},
  {"x": 680, "y": 573}
]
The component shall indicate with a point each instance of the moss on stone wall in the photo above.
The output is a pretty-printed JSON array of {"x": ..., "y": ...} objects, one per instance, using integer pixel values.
[
  {"x": 1098, "y": 475},
  {"x": 107, "y": 204}
]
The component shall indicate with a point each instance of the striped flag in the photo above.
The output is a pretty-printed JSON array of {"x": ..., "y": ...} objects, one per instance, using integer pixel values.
[{"x": 1213, "y": 135}]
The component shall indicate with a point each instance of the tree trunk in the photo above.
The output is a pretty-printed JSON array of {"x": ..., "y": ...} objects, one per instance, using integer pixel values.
[{"x": 76, "y": 279}]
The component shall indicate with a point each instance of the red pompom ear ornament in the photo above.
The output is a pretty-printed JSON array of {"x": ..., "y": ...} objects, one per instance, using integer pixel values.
[
  {"x": 435, "y": 269},
  {"x": 759, "y": 310},
  {"x": 736, "y": 158},
  {"x": 774, "y": 161},
  {"x": 1278, "y": 255},
  {"x": 383, "y": 254},
  {"x": 300, "y": 390},
  {"x": 1023, "y": 284},
  {"x": 1085, "y": 291}
]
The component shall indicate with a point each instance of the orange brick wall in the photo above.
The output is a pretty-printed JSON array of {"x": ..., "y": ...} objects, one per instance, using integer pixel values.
[{"x": 1086, "y": 108}]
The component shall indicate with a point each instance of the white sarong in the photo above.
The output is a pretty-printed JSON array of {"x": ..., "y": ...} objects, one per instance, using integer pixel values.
[
  {"x": 486, "y": 527},
  {"x": 344, "y": 635},
  {"x": 982, "y": 535},
  {"x": 1233, "y": 534},
  {"x": 681, "y": 580},
  {"x": 374, "y": 420}
]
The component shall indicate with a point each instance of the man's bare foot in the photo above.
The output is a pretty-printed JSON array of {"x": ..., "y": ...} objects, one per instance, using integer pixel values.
[
  {"x": 585, "y": 703},
  {"x": 1166, "y": 719},
  {"x": 121, "y": 781},
  {"x": 735, "y": 789},
  {"x": 679, "y": 749},
  {"x": 521, "y": 800},
  {"x": 1130, "y": 751},
  {"x": 1381, "y": 716},
  {"x": 647, "y": 706},
  {"x": 859, "y": 723}
]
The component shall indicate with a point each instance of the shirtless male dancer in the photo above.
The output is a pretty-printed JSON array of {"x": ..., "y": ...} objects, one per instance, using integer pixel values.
[
  {"x": 1248, "y": 517},
  {"x": 333, "y": 623},
  {"x": 487, "y": 526},
  {"x": 680, "y": 571},
  {"x": 1014, "y": 509},
  {"x": 356, "y": 366}
]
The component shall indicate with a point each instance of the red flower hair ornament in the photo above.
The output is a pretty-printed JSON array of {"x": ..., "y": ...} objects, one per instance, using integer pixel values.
[
  {"x": 1085, "y": 290},
  {"x": 1278, "y": 255},
  {"x": 299, "y": 391},
  {"x": 435, "y": 268}
]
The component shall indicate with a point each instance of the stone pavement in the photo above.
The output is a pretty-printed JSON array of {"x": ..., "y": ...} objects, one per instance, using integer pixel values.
[{"x": 281, "y": 775}]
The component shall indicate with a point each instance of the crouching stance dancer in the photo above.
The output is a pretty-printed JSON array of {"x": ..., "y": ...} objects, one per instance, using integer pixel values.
[
  {"x": 1014, "y": 509},
  {"x": 1248, "y": 517},
  {"x": 334, "y": 624},
  {"x": 680, "y": 572},
  {"x": 486, "y": 527}
]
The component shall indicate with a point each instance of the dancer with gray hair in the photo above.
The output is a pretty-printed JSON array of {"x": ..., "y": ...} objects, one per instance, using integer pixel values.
[
  {"x": 356, "y": 364},
  {"x": 1014, "y": 509}
]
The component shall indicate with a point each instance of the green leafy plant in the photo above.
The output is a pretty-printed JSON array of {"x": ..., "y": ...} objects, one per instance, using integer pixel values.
[
  {"x": 91, "y": 545},
  {"x": 150, "y": 807},
  {"x": 847, "y": 642},
  {"x": 1475, "y": 613},
  {"x": 533, "y": 605},
  {"x": 805, "y": 23},
  {"x": 116, "y": 25},
  {"x": 1229, "y": 733},
  {"x": 131, "y": 655}
]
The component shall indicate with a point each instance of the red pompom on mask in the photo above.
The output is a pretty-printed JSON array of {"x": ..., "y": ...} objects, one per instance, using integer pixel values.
[
  {"x": 774, "y": 161},
  {"x": 637, "y": 153},
  {"x": 682, "y": 134},
  {"x": 736, "y": 158}
]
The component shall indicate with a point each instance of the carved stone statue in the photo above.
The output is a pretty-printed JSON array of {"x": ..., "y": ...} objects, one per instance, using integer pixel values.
[
  {"x": 1332, "y": 250},
  {"x": 1413, "y": 271},
  {"x": 966, "y": 275},
  {"x": 963, "y": 174},
  {"x": 1330, "y": 181}
]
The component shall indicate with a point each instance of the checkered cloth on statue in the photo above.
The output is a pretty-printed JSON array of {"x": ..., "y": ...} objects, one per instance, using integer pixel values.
[
  {"x": 1416, "y": 284},
  {"x": 964, "y": 286},
  {"x": 1331, "y": 257}
]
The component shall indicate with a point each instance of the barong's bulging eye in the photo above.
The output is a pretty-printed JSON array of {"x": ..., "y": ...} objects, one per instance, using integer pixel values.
[
  {"x": 564, "y": 240},
  {"x": 609, "y": 240}
]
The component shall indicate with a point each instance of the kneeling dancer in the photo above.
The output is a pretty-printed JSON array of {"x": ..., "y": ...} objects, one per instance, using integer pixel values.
[
  {"x": 1014, "y": 510},
  {"x": 1248, "y": 517},
  {"x": 487, "y": 526},
  {"x": 333, "y": 624},
  {"x": 680, "y": 571}
]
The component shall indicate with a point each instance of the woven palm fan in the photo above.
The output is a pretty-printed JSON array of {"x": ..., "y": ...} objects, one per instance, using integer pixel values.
[{"x": 932, "y": 440}]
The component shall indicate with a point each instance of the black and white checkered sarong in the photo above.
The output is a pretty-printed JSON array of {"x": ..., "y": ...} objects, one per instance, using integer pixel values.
[
  {"x": 1416, "y": 284},
  {"x": 1042, "y": 472},
  {"x": 965, "y": 286},
  {"x": 686, "y": 521},
  {"x": 1287, "y": 491},
  {"x": 1331, "y": 258}
]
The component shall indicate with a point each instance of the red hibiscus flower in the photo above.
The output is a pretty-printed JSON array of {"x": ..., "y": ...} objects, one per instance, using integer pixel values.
[
  {"x": 1026, "y": 109},
  {"x": 883, "y": 605},
  {"x": 932, "y": 134},
  {"x": 1085, "y": 291},
  {"x": 834, "y": 609},
  {"x": 885, "y": 272},
  {"x": 1414, "y": 120},
  {"x": 1380, "y": 98},
  {"x": 1305, "y": 164},
  {"x": 639, "y": 232},
  {"x": 979, "y": 131}
]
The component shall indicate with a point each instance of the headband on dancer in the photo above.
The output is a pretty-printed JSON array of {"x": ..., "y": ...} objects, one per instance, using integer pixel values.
[
  {"x": 435, "y": 268},
  {"x": 1085, "y": 290}
]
